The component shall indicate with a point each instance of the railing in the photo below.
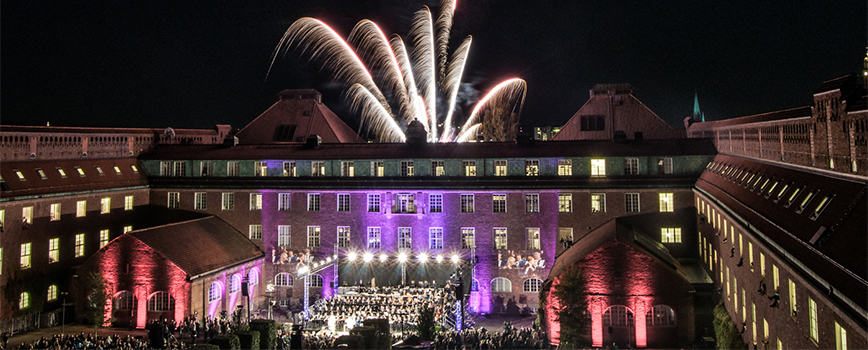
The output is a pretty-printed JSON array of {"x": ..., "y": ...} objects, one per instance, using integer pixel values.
[{"x": 20, "y": 324}]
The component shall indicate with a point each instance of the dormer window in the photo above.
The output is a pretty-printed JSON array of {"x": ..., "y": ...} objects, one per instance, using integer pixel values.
[
  {"x": 61, "y": 172},
  {"x": 135, "y": 169},
  {"x": 117, "y": 170},
  {"x": 806, "y": 201},
  {"x": 793, "y": 196},
  {"x": 80, "y": 171},
  {"x": 99, "y": 170},
  {"x": 20, "y": 175},
  {"x": 41, "y": 174},
  {"x": 822, "y": 206}
]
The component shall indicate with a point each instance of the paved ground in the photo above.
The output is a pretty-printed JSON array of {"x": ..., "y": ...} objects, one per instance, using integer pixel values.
[{"x": 36, "y": 334}]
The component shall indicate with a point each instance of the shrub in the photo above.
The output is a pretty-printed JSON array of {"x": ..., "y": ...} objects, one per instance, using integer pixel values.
[
  {"x": 227, "y": 342},
  {"x": 248, "y": 339},
  {"x": 267, "y": 333},
  {"x": 725, "y": 330}
]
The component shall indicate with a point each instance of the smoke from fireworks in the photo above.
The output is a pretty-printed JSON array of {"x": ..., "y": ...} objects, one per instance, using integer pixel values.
[{"x": 415, "y": 80}]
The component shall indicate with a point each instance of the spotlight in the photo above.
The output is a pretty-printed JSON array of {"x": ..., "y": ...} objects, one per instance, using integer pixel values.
[
  {"x": 423, "y": 257},
  {"x": 439, "y": 258},
  {"x": 368, "y": 257},
  {"x": 383, "y": 257},
  {"x": 455, "y": 258},
  {"x": 402, "y": 258},
  {"x": 303, "y": 269},
  {"x": 352, "y": 256},
  {"x": 315, "y": 265},
  {"x": 329, "y": 259}
]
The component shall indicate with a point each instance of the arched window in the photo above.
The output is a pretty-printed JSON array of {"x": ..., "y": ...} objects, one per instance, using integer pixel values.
[
  {"x": 24, "y": 301},
  {"x": 314, "y": 280},
  {"x": 283, "y": 279},
  {"x": 52, "y": 292},
  {"x": 234, "y": 284},
  {"x": 532, "y": 285},
  {"x": 125, "y": 300},
  {"x": 474, "y": 286},
  {"x": 253, "y": 277},
  {"x": 161, "y": 301},
  {"x": 501, "y": 284},
  {"x": 660, "y": 316},
  {"x": 215, "y": 292},
  {"x": 618, "y": 316}
]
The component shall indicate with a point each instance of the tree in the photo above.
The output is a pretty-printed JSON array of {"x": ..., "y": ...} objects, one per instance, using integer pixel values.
[
  {"x": 96, "y": 301},
  {"x": 725, "y": 329},
  {"x": 426, "y": 323},
  {"x": 570, "y": 307}
]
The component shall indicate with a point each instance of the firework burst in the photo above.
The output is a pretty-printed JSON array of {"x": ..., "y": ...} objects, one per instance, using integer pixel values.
[{"x": 415, "y": 80}]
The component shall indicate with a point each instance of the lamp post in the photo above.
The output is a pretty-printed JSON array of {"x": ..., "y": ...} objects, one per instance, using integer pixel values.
[
  {"x": 402, "y": 259},
  {"x": 269, "y": 292},
  {"x": 63, "y": 314}
]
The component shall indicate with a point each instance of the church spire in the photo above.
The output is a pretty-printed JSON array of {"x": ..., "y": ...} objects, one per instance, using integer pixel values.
[{"x": 697, "y": 114}]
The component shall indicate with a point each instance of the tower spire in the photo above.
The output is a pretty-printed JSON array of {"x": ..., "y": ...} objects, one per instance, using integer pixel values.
[{"x": 697, "y": 114}]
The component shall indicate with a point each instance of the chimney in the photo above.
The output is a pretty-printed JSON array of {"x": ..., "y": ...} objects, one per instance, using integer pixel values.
[{"x": 416, "y": 134}]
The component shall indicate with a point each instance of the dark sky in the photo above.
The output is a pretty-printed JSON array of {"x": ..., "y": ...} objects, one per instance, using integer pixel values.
[{"x": 194, "y": 64}]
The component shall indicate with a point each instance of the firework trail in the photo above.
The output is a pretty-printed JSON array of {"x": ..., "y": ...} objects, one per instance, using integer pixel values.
[{"x": 411, "y": 77}]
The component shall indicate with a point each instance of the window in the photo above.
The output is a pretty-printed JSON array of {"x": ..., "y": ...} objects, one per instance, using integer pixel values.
[
  {"x": 128, "y": 202},
  {"x": 404, "y": 203},
  {"x": 20, "y": 175},
  {"x": 660, "y": 316},
  {"x": 592, "y": 123},
  {"x": 260, "y": 169},
  {"x": 317, "y": 169},
  {"x": 840, "y": 337},
  {"x": 775, "y": 278},
  {"x": 373, "y": 238},
  {"x": 501, "y": 285},
  {"x": 283, "y": 279},
  {"x": 61, "y": 172},
  {"x": 565, "y": 202},
  {"x": 822, "y": 206},
  {"x": 631, "y": 166},
  {"x": 632, "y": 201},
  {"x": 598, "y": 202},
  {"x": 289, "y": 169},
  {"x": 232, "y": 168},
  {"x": 215, "y": 292},
  {"x": 234, "y": 284},
  {"x": 79, "y": 245},
  {"x": 812, "y": 319},
  {"x": 373, "y": 202},
  {"x": 405, "y": 238},
  {"x": 467, "y": 203},
  {"x": 500, "y": 167},
  {"x": 435, "y": 203},
  {"x": 598, "y": 167},
  {"x": 54, "y": 212},
  {"x": 500, "y": 238},
  {"x": 313, "y": 236},
  {"x": 205, "y": 168},
  {"x": 313, "y": 201},
  {"x": 435, "y": 238},
  {"x": 667, "y": 203},
  {"x": 438, "y": 168},
  {"x": 283, "y": 201},
  {"x": 51, "y": 294},
  {"x": 468, "y": 238},
  {"x": 27, "y": 215},
  {"x": 53, "y": 250},
  {"x": 228, "y": 201},
  {"x": 283, "y": 235},
  {"x": 792, "y": 290},
  {"x": 565, "y": 167},
  {"x": 343, "y": 202},
  {"x": 314, "y": 281},
  {"x": 806, "y": 201},
  {"x": 377, "y": 169},
  {"x": 531, "y": 203},
  {"x": 532, "y": 285},
  {"x": 565, "y": 234},
  {"x": 103, "y": 238},
  {"x": 618, "y": 316},
  {"x": 750, "y": 255},
  {"x": 343, "y": 236},
  {"x": 670, "y": 235},
  {"x": 25, "y": 256},
  {"x": 178, "y": 166},
  {"x": 254, "y": 231},
  {"x": 469, "y": 167},
  {"x": 499, "y": 205},
  {"x": 531, "y": 167},
  {"x": 105, "y": 205},
  {"x": 781, "y": 193},
  {"x": 199, "y": 201},
  {"x": 77, "y": 169},
  {"x": 253, "y": 277},
  {"x": 347, "y": 169},
  {"x": 128, "y": 229},
  {"x": 256, "y": 201},
  {"x": 24, "y": 301},
  {"x": 533, "y": 238},
  {"x": 174, "y": 200},
  {"x": 407, "y": 168},
  {"x": 664, "y": 165},
  {"x": 80, "y": 209}
]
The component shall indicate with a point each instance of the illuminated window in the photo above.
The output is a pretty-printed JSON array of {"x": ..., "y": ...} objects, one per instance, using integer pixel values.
[
  {"x": 598, "y": 167},
  {"x": 101, "y": 173},
  {"x": 178, "y": 169},
  {"x": 467, "y": 203},
  {"x": 377, "y": 169},
  {"x": 404, "y": 203},
  {"x": 565, "y": 234},
  {"x": 174, "y": 200},
  {"x": 161, "y": 301},
  {"x": 105, "y": 205},
  {"x": 20, "y": 175},
  {"x": 283, "y": 235},
  {"x": 343, "y": 202},
  {"x": 405, "y": 238},
  {"x": 27, "y": 215},
  {"x": 806, "y": 201},
  {"x": 234, "y": 284},
  {"x": 665, "y": 165},
  {"x": 103, "y": 238},
  {"x": 565, "y": 167},
  {"x": 135, "y": 169},
  {"x": 343, "y": 236},
  {"x": 532, "y": 237},
  {"x": 25, "y": 256},
  {"x": 500, "y": 238},
  {"x": 435, "y": 238},
  {"x": 667, "y": 203},
  {"x": 631, "y": 166},
  {"x": 51, "y": 294},
  {"x": 41, "y": 174},
  {"x": 199, "y": 201},
  {"x": 531, "y": 203},
  {"x": 53, "y": 250},
  {"x": 24, "y": 301},
  {"x": 117, "y": 170},
  {"x": 438, "y": 168},
  {"x": 840, "y": 337},
  {"x": 775, "y": 278},
  {"x": 762, "y": 264},
  {"x": 283, "y": 201},
  {"x": 598, "y": 202},
  {"x": 317, "y": 169},
  {"x": 260, "y": 169},
  {"x": 61, "y": 172},
  {"x": 501, "y": 285},
  {"x": 128, "y": 202},
  {"x": 670, "y": 235},
  {"x": 373, "y": 202},
  {"x": 54, "y": 212},
  {"x": 228, "y": 202},
  {"x": 407, "y": 168},
  {"x": 565, "y": 202},
  {"x": 254, "y": 231},
  {"x": 253, "y": 277},
  {"x": 205, "y": 168},
  {"x": 469, "y": 167},
  {"x": 314, "y": 281},
  {"x": 532, "y": 285},
  {"x": 531, "y": 167},
  {"x": 289, "y": 169},
  {"x": 127, "y": 229},
  {"x": 792, "y": 293},
  {"x": 79, "y": 245},
  {"x": 632, "y": 202},
  {"x": 283, "y": 279},
  {"x": 499, "y": 205},
  {"x": 373, "y": 238},
  {"x": 313, "y": 201},
  {"x": 660, "y": 316},
  {"x": 468, "y": 238},
  {"x": 348, "y": 169},
  {"x": 435, "y": 203},
  {"x": 812, "y": 319},
  {"x": 822, "y": 206},
  {"x": 500, "y": 167},
  {"x": 80, "y": 171},
  {"x": 232, "y": 168},
  {"x": 256, "y": 201}
]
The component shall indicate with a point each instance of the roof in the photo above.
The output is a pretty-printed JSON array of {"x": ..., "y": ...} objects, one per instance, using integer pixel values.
[
  {"x": 96, "y": 130},
  {"x": 844, "y": 83},
  {"x": 54, "y": 182},
  {"x": 797, "y": 112},
  {"x": 832, "y": 243},
  {"x": 209, "y": 244},
  {"x": 471, "y": 150}
]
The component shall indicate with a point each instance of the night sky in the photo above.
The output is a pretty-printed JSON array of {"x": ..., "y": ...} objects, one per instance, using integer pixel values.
[{"x": 194, "y": 64}]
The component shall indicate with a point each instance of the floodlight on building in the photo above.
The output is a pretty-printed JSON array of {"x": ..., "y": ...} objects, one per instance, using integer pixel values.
[
  {"x": 383, "y": 257},
  {"x": 303, "y": 269},
  {"x": 368, "y": 257},
  {"x": 352, "y": 256},
  {"x": 439, "y": 258},
  {"x": 455, "y": 258},
  {"x": 402, "y": 258},
  {"x": 423, "y": 257}
]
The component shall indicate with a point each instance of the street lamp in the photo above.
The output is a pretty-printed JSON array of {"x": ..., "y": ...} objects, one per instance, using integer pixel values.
[
  {"x": 402, "y": 258},
  {"x": 63, "y": 314},
  {"x": 269, "y": 291}
]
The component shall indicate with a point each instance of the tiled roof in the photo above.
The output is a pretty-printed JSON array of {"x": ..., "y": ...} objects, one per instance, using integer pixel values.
[
  {"x": 200, "y": 246},
  {"x": 756, "y": 118},
  {"x": 55, "y": 182},
  {"x": 831, "y": 244}
]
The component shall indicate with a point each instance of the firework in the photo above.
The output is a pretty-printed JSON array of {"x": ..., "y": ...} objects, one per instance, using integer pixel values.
[{"x": 415, "y": 79}]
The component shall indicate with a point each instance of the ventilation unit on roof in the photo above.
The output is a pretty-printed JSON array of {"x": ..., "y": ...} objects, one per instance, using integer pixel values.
[{"x": 84, "y": 154}]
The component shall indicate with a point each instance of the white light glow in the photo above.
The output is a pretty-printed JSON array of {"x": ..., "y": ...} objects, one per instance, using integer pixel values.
[
  {"x": 368, "y": 257},
  {"x": 439, "y": 258},
  {"x": 383, "y": 257},
  {"x": 402, "y": 258},
  {"x": 352, "y": 256},
  {"x": 455, "y": 258}
]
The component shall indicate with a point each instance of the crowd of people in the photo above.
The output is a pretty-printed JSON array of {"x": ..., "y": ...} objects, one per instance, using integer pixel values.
[
  {"x": 527, "y": 264},
  {"x": 481, "y": 339},
  {"x": 82, "y": 341}
]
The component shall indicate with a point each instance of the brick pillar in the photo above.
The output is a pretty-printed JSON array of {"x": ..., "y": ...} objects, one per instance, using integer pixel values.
[{"x": 141, "y": 306}]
